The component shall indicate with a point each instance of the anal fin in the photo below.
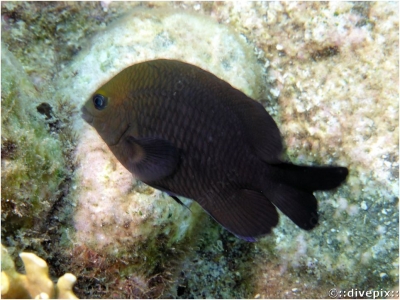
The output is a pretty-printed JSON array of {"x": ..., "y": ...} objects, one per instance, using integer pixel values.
[
  {"x": 247, "y": 214},
  {"x": 300, "y": 206}
]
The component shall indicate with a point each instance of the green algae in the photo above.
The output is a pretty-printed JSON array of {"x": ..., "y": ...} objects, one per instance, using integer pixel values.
[
  {"x": 36, "y": 166},
  {"x": 45, "y": 35},
  {"x": 33, "y": 171},
  {"x": 219, "y": 266},
  {"x": 366, "y": 259}
]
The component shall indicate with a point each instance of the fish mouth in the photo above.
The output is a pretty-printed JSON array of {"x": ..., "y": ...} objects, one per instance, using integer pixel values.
[
  {"x": 121, "y": 136},
  {"x": 86, "y": 116}
]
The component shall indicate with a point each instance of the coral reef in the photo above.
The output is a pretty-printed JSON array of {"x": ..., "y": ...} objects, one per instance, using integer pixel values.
[
  {"x": 331, "y": 85},
  {"x": 36, "y": 283}
]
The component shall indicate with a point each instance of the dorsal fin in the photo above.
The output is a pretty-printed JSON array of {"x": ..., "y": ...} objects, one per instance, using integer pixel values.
[{"x": 261, "y": 129}]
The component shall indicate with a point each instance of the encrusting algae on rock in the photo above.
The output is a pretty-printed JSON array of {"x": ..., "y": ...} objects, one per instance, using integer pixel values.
[
  {"x": 33, "y": 164},
  {"x": 326, "y": 73}
]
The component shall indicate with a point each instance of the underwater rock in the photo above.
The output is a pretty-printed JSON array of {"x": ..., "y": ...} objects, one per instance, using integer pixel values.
[
  {"x": 334, "y": 67},
  {"x": 32, "y": 160},
  {"x": 336, "y": 106}
]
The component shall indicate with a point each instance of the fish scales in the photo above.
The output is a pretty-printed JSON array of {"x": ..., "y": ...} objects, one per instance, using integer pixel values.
[{"x": 184, "y": 131}]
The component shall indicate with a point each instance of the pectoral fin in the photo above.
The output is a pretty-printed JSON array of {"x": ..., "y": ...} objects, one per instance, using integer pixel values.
[{"x": 151, "y": 159}]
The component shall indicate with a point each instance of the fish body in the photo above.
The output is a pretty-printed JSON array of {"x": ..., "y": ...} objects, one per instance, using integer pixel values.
[{"x": 182, "y": 130}]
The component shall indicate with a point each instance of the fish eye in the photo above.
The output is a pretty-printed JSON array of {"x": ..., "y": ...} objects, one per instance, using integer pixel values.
[{"x": 99, "y": 102}]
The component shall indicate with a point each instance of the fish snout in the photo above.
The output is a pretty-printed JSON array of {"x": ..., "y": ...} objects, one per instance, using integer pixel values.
[{"x": 86, "y": 116}]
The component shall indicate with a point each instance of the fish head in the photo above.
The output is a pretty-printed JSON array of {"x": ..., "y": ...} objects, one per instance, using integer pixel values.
[{"x": 107, "y": 110}]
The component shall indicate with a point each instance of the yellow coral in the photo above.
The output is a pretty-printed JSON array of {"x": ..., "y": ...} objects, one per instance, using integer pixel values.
[
  {"x": 64, "y": 286},
  {"x": 36, "y": 283}
]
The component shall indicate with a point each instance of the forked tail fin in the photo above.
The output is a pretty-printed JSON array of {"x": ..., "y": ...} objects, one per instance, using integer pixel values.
[{"x": 293, "y": 186}]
